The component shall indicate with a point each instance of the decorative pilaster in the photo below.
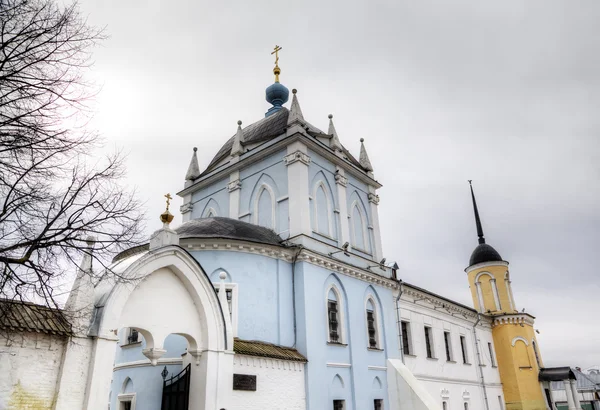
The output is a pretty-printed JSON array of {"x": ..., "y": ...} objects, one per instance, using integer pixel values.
[
  {"x": 479, "y": 296},
  {"x": 187, "y": 208},
  {"x": 235, "y": 188},
  {"x": 569, "y": 393},
  {"x": 373, "y": 203},
  {"x": 297, "y": 161},
  {"x": 341, "y": 182},
  {"x": 495, "y": 293},
  {"x": 575, "y": 394}
]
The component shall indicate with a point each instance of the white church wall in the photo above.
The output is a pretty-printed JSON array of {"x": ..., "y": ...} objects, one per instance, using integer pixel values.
[
  {"x": 29, "y": 369},
  {"x": 279, "y": 384},
  {"x": 452, "y": 381}
]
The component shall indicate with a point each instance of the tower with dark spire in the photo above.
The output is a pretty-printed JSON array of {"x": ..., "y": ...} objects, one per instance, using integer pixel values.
[{"x": 519, "y": 361}]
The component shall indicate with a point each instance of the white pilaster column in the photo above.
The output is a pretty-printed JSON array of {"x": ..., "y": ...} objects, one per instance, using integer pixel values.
[
  {"x": 575, "y": 394},
  {"x": 373, "y": 203},
  {"x": 341, "y": 182},
  {"x": 495, "y": 292},
  {"x": 569, "y": 392},
  {"x": 479, "y": 296},
  {"x": 297, "y": 161},
  {"x": 235, "y": 188},
  {"x": 187, "y": 208},
  {"x": 510, "y": 295}
]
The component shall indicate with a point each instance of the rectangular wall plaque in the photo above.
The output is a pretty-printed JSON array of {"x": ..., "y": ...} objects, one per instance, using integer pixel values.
[{"x": 244, "y": 382}]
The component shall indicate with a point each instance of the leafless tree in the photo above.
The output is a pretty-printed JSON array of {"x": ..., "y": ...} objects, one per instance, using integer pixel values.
[{"x": 53, "y": 194}]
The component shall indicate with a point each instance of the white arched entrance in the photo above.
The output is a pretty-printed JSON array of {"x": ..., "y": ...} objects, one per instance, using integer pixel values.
[{"x": 166, "y": 292}]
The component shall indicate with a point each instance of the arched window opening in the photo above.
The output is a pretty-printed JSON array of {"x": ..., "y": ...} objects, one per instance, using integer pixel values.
[
  {"x": 522, "y": 354},
  {"x": 535, "y": 351},
  {"x": 359, "y": 236},
  {"x": 372, "y": 325},
  {"x": 323, "y": 211},
  {"x": 486, "y": 292},
  {"x": 211, "y": 213},
  {"x": 333, "y": 317},
  {"x": 265, "y": 214}
]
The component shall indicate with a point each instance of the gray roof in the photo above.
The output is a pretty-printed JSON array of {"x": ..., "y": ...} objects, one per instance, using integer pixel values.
[
  {"x": 220, "y": 227},
  {"x": 484, "y": 253},
  {"x": 265, "y": 130},
  {"x": 556, "y": 374},
  {"x": 17, "y": 316}
]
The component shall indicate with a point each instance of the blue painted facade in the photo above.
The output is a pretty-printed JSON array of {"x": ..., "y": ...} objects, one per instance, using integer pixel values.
[{"x": 285, "y": 303}]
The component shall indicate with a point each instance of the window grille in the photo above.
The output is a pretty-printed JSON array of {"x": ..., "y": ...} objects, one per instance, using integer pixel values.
[
  {"x": 133, "y": 336},
  {"x": 332, "y": 311},
  {"x": 338, "y": 405},
  {"x": 371, "y": 329},
  {"x": 491, "y": 349},
  {"x": 447, "y": 343},
  {"x": 405, "y": 338},
  {"x": 428, "y": 344},
  {"x": 463, "y": 348},
  {"x": 378, "y": 404}
]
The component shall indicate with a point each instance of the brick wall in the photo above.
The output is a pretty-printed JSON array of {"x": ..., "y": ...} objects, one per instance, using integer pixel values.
[{"x": 29, "y": 369}]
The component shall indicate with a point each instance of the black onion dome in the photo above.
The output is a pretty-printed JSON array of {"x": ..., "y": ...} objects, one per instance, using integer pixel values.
[
  {"x": 484, "y": 253},
  {"x": 228, "y": 228}
]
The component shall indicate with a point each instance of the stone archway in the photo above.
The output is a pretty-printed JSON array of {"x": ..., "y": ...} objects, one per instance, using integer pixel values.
[{"x": 167, "y": 292}]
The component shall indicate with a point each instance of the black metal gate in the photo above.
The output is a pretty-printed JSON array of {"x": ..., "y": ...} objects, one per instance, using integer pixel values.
[{"x": 176, "y": 391}]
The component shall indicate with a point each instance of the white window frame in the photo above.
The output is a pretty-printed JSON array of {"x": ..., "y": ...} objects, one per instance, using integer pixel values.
[
  {"x": 431, "y": 342},
  {"x": 376, "y": 323},
  {"x": 234, "y": 304},
  {"x": 341, "y": 315},
  {"x": 266, "y": 187},
  {"x": 126, "y": 397},
  {"x": 411, "y": 349}
]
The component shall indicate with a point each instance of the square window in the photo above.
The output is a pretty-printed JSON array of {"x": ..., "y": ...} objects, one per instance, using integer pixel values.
[{"x": 339, "y": 405}]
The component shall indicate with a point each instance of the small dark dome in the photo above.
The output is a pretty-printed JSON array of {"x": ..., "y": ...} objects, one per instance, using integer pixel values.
[
  {"x": 484, "y": 253},
  {"x": 219, "y": 227}
]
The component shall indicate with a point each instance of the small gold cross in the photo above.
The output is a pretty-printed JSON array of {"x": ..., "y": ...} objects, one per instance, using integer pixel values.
[
  {"x": 276, "y": 52},
  {"x": 169, "y": 197}
]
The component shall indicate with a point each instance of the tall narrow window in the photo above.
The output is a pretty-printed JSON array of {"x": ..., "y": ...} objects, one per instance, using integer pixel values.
[
  {"x": 133, "y": 336},
  {"x": 378, "y": 404},
  {"x": 448, "y": 346},
  {"x": 463, "y": 348},
  {"x": 444, "y": 405},
  {"x": 323, "y": 211},
  {"x": 502, "y": 404},
  {"x": 405, "y": 337},
  {"x": 265, "y": 215},
  {"x": 338, "y": 405},
  {"x": 358, "y": 229},
  {"x": 371, "y": 325},
  {"x": 492, "y": 360},
  {"x": 466, "y": 406},
  {"x": 332, "y": 313},
  {"x": 535, "y": 351},
  {"x": 428, "y": 342}
]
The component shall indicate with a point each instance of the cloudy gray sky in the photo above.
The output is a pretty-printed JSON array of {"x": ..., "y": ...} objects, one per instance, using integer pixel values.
[{"x": 505, "y": 93}]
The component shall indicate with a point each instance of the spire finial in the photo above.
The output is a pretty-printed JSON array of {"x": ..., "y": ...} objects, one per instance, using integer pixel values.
[
  {"x": 335, "y": 140},
  {"x": 364, "y": 160},
  {"x": 237, "y": 148},
  {"x": 481, "y": 239},
  {"x": 276, "y": 70},
  {"x": 295, "y": 110},
  {"x": 193, "y": 171}
]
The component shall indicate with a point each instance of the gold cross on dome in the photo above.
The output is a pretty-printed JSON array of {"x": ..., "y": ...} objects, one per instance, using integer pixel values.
[
  {"x": 169, "y": 197},
  {"x": 276, "y": 52}
]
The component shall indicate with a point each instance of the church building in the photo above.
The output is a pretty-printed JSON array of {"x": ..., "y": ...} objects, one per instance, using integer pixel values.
[{"x": 274, "y": 293}]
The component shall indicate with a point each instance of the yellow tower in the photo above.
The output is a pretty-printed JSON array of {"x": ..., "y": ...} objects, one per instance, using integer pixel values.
[{"x": 517, "y": 353}]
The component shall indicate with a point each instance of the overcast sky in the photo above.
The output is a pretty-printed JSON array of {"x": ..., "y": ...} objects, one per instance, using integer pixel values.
[{"x": 506, "y": 93}]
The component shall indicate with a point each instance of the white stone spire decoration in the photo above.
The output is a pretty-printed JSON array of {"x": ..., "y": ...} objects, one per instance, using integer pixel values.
[
  {"x": 193, "y": 171},
  {"x": 295, "y": 110},
  {"x": 336, "y": 145},
  {"x": 364, "y": 158},
  {"x": 237, "y": 149}
]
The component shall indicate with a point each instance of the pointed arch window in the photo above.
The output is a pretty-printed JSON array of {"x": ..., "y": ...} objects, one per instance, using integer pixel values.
[
  {"x": 372, "y": 327},
  {"x": 358, "y": 225},
  {"x": 323, "y": 210},
  {"x": 335, "y": 317},
  {"x": 265, "y": 208}
]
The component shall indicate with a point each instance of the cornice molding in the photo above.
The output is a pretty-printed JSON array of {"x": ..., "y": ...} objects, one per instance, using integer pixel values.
[
  {"x": 513, "y": 319},
  {"x": 187, "y": 207},
  {"x": 233, "y": 185},
  {"x": 374, "y": 199},
  {"x": 341, "y": 180},
  {"x": 286, "y": 254},
  {"x": 485, "y": 265},
  {"x": 437, "y": 302},
  {"x": 296, "y": 156}
]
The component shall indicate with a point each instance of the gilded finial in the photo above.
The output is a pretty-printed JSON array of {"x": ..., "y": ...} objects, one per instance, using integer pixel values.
[
  {"x": 167, "y": 217},
  {"x": 276, "y": 70}
]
